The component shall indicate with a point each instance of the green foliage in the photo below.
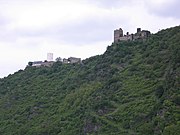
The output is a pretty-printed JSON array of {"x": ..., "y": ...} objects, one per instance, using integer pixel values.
[
  {"x": 159, "y": 91},
  {"x": 133, "y": 88}
]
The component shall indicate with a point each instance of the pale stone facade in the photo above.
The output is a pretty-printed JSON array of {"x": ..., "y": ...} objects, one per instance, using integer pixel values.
[
  {"x": 41, "y": 63},
  {"x": 37, "y": 63}
]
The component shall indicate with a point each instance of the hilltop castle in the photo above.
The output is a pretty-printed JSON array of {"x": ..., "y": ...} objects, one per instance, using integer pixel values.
[
  {"x": 49, "y": 62},
  {"x": 118, "y": 35}
]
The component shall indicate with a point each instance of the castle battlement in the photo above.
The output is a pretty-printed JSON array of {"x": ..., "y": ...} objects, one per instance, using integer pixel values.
[{"x": 139, "y": 35}]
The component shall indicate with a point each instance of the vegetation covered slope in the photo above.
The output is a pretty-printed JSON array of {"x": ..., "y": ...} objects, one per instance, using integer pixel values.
[{"x": 132, "y": 89}]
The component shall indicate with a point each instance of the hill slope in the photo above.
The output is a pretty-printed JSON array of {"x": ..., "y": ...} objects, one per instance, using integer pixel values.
[{"x": 133, "y": 88}]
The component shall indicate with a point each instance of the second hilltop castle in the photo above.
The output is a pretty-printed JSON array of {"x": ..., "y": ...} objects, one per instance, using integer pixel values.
[{"x": 141, "y": 34}]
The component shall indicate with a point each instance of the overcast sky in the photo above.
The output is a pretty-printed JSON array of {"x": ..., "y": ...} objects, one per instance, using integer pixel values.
[{"x": 29, "y": 29}]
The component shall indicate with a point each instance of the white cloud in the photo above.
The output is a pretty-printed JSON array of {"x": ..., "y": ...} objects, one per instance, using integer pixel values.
[{"x": 40, "y": 14}]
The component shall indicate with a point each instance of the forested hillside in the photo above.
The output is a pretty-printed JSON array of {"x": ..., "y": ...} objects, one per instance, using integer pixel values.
[{"x": 131, "y": 89}]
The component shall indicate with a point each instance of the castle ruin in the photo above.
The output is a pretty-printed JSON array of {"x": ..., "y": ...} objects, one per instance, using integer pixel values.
[
  {"x": 72, "y": 60},
  {"x": 139, "y": 35}
]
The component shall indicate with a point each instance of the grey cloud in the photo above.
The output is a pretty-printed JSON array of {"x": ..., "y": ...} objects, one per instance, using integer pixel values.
[
  {"x": 170, "y": 10},
  {"x": 90, "y": 30},
  {"x": 4, "y": 21},
  {"x": 111, "y": 3},
  {"x": 5, "y": 35}
]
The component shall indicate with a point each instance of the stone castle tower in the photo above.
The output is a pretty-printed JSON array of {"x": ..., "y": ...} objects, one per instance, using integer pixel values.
[{"x": 117, "y": 34}]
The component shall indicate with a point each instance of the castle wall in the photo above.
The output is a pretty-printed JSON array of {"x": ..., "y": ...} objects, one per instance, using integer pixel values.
[
  {"x": 118, "y": 35},
  {"x": 74, "y": 60},
  {"x": 126, "y": 38}
]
